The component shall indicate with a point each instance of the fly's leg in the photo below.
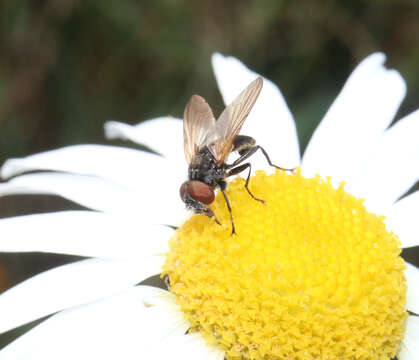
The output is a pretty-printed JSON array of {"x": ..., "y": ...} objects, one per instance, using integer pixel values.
[
  {"x": 246, "y": 153},
  {"x": 269, "y": 160},
  {"x": 239, "y": 169},
  {"x": 245, "y": 146},
  {"x": 207, "y": 211},
  {"x": 222, "y": 184},
  {"x": 233, "y": 229}
]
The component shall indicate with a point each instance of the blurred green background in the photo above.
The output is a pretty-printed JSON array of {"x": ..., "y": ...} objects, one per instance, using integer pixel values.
[{"x": 67, "y": 66}]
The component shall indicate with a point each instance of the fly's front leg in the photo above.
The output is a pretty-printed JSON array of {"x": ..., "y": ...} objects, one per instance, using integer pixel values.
[
  {"x": 239, "y": 169},
  {"x": 207, "y": 211},
  {"x": 222, "y": 184},
  {"x": 233, "y": 229}
]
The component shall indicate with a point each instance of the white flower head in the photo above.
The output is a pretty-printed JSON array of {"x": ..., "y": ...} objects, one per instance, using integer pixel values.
[{"x": 98, "y": 309}]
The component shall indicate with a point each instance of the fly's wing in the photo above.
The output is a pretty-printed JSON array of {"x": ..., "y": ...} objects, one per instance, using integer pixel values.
[
  {"x": 231, "y": 121},
  {"x": 198, "y": 122}
]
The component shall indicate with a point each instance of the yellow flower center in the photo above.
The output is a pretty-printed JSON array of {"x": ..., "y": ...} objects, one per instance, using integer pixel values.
[{"x": 310, "y": 274}]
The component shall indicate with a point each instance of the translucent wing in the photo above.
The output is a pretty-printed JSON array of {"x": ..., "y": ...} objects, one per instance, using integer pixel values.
[
  {"x": 231, "y": 121},
  {"x": 198, "y": 122}
]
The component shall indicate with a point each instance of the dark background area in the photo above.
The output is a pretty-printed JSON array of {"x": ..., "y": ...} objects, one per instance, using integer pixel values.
[{"x": 67, "y": 66}]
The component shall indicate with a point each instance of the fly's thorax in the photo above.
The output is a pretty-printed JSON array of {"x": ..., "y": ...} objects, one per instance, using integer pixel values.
[{"x": 203, "y": 167}]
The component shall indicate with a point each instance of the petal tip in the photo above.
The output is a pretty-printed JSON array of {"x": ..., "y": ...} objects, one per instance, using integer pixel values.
[
  {"x": 111, "y": 129},
  {"x": 216, "y": 56},
  {"x": 218, "y": 60},
  {"x": 378, "y": 60},
  {"x": 7, "y": 170}
]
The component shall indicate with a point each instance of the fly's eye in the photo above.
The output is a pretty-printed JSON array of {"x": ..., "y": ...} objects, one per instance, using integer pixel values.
[
  {"x": 182, "y": 189},
  {"x": 199, "y": 191}
]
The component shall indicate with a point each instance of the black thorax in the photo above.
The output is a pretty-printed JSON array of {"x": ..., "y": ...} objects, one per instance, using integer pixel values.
[{"x": 203, "y": 167}]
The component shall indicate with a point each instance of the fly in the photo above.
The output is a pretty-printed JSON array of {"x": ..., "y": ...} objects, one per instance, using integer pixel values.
[{"x": 207, "y": 145}]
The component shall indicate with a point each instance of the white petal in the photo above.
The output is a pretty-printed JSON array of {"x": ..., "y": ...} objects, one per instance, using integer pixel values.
[
  {"x": 142, "y": 180},
  {"x": 402, "y": 219},
  {"x": 164, "y": 135},
  {"x": 122, "y": 165},
  {"x": 156, "y": 204},
  {"x": 270, "y": 122},
  {"x": 412, "y": 296},
  {"x": 89, "y": 191},
  {"x": 362, "y": 111},
  {"x": 393, "y": 167},
  {"x": 188, "y": 347},
  {"x": 70, "y": 285},
  {"x": 83, "y": 233},
  {"x": 126, "y": 326},
  {"x": 410, "y": 343}
]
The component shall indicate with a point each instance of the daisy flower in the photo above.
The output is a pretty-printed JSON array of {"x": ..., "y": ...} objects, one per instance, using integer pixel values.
[{"x": 311, "y": 274}]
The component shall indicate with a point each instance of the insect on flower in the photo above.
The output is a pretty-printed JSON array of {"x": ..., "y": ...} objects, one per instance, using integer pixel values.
[{"x": 207, "y": 145}]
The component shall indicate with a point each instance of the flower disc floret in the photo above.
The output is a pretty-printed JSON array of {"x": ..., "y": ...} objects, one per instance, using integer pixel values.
[{"x": 310, "y": 274}]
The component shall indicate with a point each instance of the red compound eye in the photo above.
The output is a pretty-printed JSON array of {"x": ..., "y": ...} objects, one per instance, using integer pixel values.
[{"x": 199, "y": 191}]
